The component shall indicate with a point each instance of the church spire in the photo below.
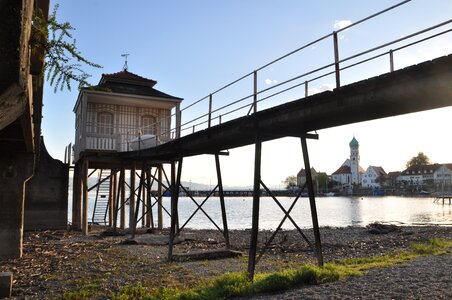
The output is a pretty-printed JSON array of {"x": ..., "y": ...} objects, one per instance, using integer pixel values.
[{"x": 354, "y": 143}]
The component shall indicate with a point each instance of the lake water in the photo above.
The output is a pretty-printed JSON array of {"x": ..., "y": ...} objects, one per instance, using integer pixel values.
[{"x": 332, "y": 211}]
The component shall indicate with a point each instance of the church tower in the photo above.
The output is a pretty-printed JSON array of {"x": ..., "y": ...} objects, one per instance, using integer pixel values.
[{"x": 354, "y": 161}]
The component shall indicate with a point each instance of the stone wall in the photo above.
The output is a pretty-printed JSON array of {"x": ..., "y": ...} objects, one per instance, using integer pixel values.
[{"x": 46, "y": 196}]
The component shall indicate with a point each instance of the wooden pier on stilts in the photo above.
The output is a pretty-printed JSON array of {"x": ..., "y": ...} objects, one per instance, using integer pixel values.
[
  {"x": 443, "y": 199},
  {"x": 392, "y": 94}
]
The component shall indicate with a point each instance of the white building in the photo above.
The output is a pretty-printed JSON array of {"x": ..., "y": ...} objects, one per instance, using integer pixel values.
[
  {"x": 418, "y": 175},
  {"x": 443, "y": 175},
  {"x": 373, "y": 177},
  {"x": 350, "y": 172},
  {"x": 123, "y": 106},
  {"x": 343, "y": 174}
]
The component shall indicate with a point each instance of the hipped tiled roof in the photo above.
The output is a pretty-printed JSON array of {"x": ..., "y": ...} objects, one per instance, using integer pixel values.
[
  {"x": 343, "y": 170},
  {"x": 125, "y": 82}
]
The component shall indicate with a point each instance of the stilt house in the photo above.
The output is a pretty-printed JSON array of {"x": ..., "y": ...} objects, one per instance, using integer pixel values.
[{"x": 122, "y": 107}]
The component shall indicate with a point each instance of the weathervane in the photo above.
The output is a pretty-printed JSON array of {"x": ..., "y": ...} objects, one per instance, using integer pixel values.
[{"x": 125, "y": 63}]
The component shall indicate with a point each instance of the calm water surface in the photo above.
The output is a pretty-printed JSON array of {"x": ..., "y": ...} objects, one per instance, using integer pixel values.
[{"x": 332, "y": 211}]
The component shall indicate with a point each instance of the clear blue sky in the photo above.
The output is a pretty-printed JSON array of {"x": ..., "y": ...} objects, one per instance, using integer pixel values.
[{"x": 194, "y": 47}]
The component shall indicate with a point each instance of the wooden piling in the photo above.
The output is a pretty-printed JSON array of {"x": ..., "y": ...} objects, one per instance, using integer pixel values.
[
  {"x": 111, "y": 197},
  {"x": 132, "y": 196},
  {"x": 149, "y": 215},
  {"x": 173, "y": 212},
  {"x": 315, "y": 222},
  {"x": 160, "y": 198},
  {"x": 256, "y": 200},
  {"x": 122, "y": 187},
  {"x": 223, "y": 207},
  {"x": 137, "y": 208},
  {"x": 85, "y": 167},
  {"x": 143, "y": 197}
]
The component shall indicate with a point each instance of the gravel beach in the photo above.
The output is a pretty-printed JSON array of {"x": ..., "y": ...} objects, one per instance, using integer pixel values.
[
  {"x": 425, "y": 278},
  {"x": 55, "y": 262}
]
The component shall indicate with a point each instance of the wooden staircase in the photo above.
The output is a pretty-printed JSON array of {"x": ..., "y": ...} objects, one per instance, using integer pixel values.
[{"x": 101, "y": 203}]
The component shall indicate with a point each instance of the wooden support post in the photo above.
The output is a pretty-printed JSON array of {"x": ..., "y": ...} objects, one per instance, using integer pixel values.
[
  {"x": 160, "y": 198},
  {"x": 135, "y": 215},
  {"x": 143, "y": 196},
  {"x": 122, "y": 188},
  {"x": 111, "y": 197},
  {"x": 77, "y": 197},
  {"x": 84, "y": 172},
  {"x": 132, "y": 196},
  {"x": 315, "y": 222},
  {"x": 118, "y": 190},
  {"x": 175, "y": 183},
  {"x": 149, "y": 216},
  {"x": 173, "y": 212},
  {"x": 256, "y": 200},
  {"x": 221, "y": 195}
]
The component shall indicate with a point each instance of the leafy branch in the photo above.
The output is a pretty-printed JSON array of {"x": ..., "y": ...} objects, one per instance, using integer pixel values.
[{"x": 61, "y": 51}]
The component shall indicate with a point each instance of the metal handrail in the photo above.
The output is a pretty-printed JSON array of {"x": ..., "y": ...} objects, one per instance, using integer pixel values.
[{"x": 209, "y": 115}]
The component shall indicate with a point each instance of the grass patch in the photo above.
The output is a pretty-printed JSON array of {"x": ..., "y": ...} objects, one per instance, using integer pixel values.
[
  {"x": 77, "y": 295},
  {"x": 435, "y": 246},
  {"x": 85, "y": 293},
  {"x": 237, "y": 284}
]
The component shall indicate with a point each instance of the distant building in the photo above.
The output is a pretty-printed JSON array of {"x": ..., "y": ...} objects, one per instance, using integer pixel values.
[
  {"x": 418, "y": 175},
  {"x": 434, "y": 174},
  {"x": 350, "y": 172},
  {"x": 343, "y": 174},
  {"x": 374, "y": 177},
  {"x": 443, "y": 176},
  {"x": 301, "y": 176},
  {"x": 391, "y": 178},
  {"x": 354, "y": 162}
]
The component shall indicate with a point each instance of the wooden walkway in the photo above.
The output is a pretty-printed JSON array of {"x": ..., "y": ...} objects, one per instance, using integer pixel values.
[{"x": 417, "y": 88}]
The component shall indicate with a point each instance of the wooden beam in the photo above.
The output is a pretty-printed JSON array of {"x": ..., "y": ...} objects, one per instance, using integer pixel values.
[
  {"x": 85, "y": 167},
  {"x": 160, "y": 198},
  {"x": 223, "y": 207},
  {"x": 122, "y": 187},
  {"x": 256, "y": 202},
  {"x": 315, "y": 222},
  {"x": 132, "y": 196}
]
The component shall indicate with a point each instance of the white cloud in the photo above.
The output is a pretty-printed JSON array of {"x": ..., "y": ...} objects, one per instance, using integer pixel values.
[
  {"x": 322, "y": 88},
  {"x": 339, "y": 24},
  {"x": 270, "y": 81}
]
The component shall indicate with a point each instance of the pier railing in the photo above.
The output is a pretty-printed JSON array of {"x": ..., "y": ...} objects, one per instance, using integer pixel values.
[{"x": 244, "y": 96}]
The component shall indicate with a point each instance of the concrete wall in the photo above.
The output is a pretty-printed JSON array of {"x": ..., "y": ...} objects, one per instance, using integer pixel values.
[
  {"x": 15, "y": 170},
  {"x": 46, "y": 197}
]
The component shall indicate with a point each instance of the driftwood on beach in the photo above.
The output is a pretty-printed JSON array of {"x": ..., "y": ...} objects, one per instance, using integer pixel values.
[{"x": 381, "y": 228}]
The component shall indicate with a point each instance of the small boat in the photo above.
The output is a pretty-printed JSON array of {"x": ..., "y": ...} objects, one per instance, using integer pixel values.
[
  {"x": 329, "y": 194},
  {"x": 378, "y": 192},
  {"x": 143, "y": 142},
  {"x": 422, "y": 192}
]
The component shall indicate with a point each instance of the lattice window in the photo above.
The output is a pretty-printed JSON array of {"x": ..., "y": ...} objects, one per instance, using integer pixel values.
[
  {"x": 104, "y": 123},
  {"x": 148, "y": 125}
]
